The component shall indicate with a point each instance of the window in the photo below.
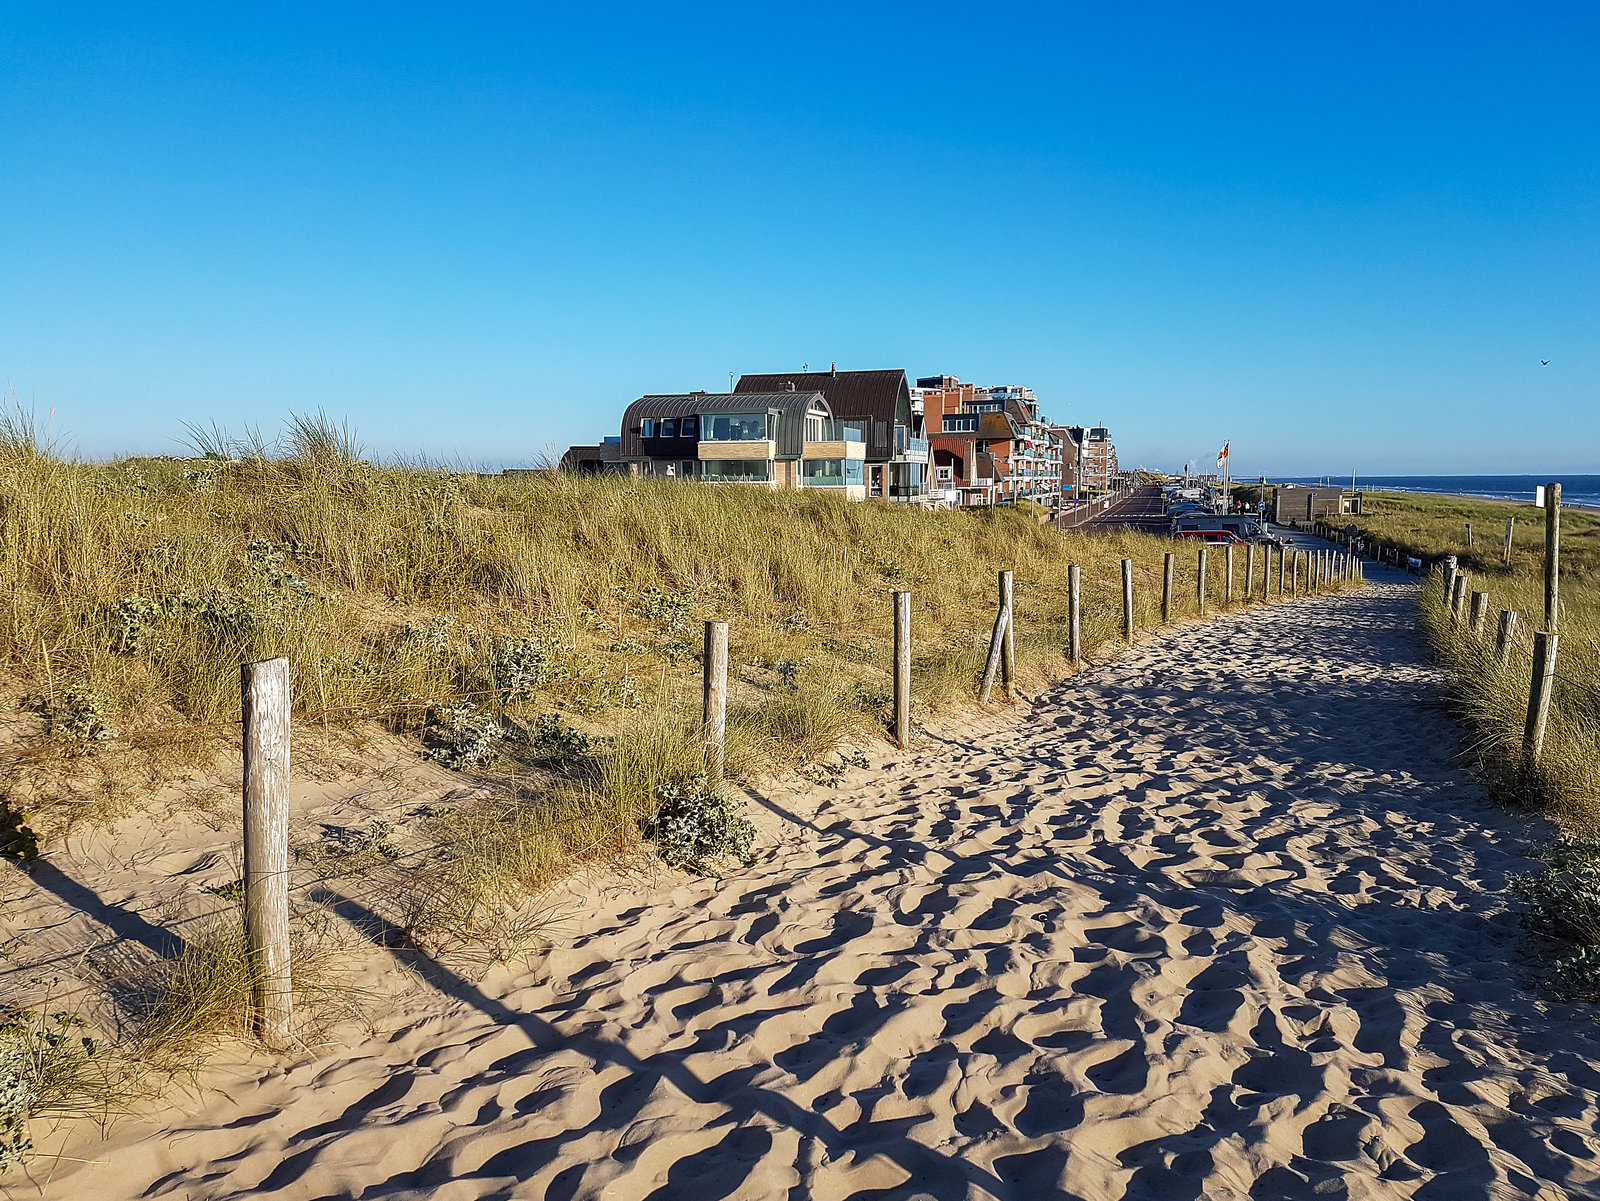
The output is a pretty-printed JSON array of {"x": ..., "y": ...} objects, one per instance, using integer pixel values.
[
  {"x": 667, "y": 427},
  {"x": 688, "y": 469},
  {"x": 814, "y": 422},
  {"x": 736, "y": 470},
  {"x": 822, "y": 473},
  {"x": 960, "y": 425},
  {"x": 983, "y": 446},
  {"x": 647, "y": 428},
  {"x": 832, "y": 473},
  {"x": 687, "y": 427},
  {"x": 736, "y": 427}
]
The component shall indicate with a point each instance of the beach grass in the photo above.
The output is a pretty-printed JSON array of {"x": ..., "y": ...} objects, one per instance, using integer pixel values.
[{"x": 538, "y": 632}]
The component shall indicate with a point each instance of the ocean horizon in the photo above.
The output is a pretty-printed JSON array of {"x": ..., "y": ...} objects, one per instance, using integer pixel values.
[{"x": 1579, "y": 490}]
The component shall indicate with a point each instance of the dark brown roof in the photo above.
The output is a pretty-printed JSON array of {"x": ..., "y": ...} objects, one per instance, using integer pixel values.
[{"x": 883, "y": 396}]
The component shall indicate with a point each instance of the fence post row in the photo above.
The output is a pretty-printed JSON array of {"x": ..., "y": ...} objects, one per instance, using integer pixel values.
[
  {"x": 1166, "y": 586},
  {"x": 902, "y": 669},
  {"x": 1539, "y": 689},
  {"x": 714, "y": 696},
  {"x": 1127, "y": 599},
  {"x": 1505, "y": 633},
  {"x": 1075, "y": 614},
  {"x": 1200, "y": 582},
  {"x": 266, "y": 697}
]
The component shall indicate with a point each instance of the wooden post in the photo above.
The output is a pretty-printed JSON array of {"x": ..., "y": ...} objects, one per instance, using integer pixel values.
[
  {"x": 1166, "y": 586},
  {"x": 1249, "y": 570},
  {"x": 902, "y": 669},
  {"x": 1539, "y": 689},
  {"x": 1552, "y": 554},
  {"x": 1127, "y": 599},
  {"x": 1294, "y": 574},
  {"x": 1228, "y": 590},
  {"x": 1200, "y": 582},
  {"x": 1469, "y": 535},
  {"x": 1480, "y": 614},
  {"x": 714, "y": 695},
  {"x": 1505, "y": 551},
  {"x": 266, "y": 695},
  {"x": 997, "y": 650},
  {"x": 1074, "y": 615},
  {"x": 1008, "y": 657},
  {"x": 1505, "y": 633}
]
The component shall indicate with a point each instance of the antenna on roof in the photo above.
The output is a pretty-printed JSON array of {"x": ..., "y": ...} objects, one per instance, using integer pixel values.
[{"x": 833, "y": 368}]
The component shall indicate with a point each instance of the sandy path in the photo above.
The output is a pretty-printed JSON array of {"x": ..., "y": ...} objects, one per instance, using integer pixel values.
[{"x": 1224, "y": 920}]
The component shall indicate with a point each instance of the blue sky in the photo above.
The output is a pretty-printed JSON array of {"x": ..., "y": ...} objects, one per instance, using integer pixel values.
[{"x": 1338, "y": 235}]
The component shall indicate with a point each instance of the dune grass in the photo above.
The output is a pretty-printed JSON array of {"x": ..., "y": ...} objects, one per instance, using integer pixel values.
[{"x": 541, "y": 633}]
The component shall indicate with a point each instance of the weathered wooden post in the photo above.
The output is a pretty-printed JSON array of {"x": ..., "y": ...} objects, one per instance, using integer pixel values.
[
  {"x": 1505, "y": 551},
  {"x": 1469, "y": 535},
  {"x": 1539, "y": 690},
  {"x": 1228, "y": 586},
  {"x": 1294, "y": 575},
  {"x": 1075, "y": 614},
  {"x": 1552, "y": 554},
  {"x": 1167, "y": 561},
  {"x": 714, "y": 695},
  {"x": 1249, "y": 571},
  {"x": 1505, "y": 633},
  {"x": 1127, "y": 599},
  {"x": 266, "y": 700},
  {"x": 902, "y": 669},
  {"x": 1200, "y": 582},
  {"x": 997, "y": 650},
  {"x": 1008, "y": 657},
  {"x": 1480, "y": 614}
]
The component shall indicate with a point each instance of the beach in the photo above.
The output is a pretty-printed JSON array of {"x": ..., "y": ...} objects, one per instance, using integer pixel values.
[{"x": 1224, "y": 916}]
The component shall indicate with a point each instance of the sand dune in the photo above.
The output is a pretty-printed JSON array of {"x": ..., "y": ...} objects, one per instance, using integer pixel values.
[{"x": 1224, "y": 918}]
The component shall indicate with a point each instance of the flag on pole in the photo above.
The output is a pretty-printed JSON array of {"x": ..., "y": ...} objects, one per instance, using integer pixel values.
[{"x": 1222, "y": 455}]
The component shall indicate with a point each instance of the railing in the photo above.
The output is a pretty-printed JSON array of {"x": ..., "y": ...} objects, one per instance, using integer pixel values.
[{"x": 905, "y": 444}]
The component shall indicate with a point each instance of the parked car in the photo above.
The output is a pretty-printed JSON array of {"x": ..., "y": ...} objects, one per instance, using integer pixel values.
[{"x": 1222, "y": 537}]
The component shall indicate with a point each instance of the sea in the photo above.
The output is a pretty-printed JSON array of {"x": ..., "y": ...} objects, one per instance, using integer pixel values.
[{"x": 1576, "y": 490}]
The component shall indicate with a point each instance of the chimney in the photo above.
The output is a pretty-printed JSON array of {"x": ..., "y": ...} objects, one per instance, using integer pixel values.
[{"x": 833, "y": 370}]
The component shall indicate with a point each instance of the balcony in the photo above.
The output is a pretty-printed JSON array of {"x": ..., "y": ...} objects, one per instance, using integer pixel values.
[{"x": 908, "y": 449}]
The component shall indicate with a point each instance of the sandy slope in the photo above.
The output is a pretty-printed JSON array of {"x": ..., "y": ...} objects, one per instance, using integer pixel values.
[{"x": 1224, "y": 919}]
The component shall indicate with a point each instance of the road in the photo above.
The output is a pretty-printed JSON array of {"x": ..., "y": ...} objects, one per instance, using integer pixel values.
[{"x": 1141, "y": 509}]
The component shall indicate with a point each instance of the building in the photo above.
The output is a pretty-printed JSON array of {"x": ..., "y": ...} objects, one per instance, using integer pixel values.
[
  {"x": 989, "y": 444},
  {"x": 605, "y": 455},
  {"x": 1301, "y": 504},
  {"x": 878, "y": 403},
  {"x": 785, "y": 439},
  {"x": 1097, "y": 469},
  {"x": 1070, "y": 438}
]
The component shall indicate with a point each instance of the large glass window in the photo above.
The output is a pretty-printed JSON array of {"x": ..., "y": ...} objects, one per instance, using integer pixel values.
[
  {"x": 736, "y": 470},
  {"x": 832, "y": 473},
  {"x": 735, "y": 427},
  {"x": 959, "y": 425}
]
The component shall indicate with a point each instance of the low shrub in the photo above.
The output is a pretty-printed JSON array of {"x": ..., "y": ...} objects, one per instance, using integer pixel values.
[{"x": 695, "y": 824}]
